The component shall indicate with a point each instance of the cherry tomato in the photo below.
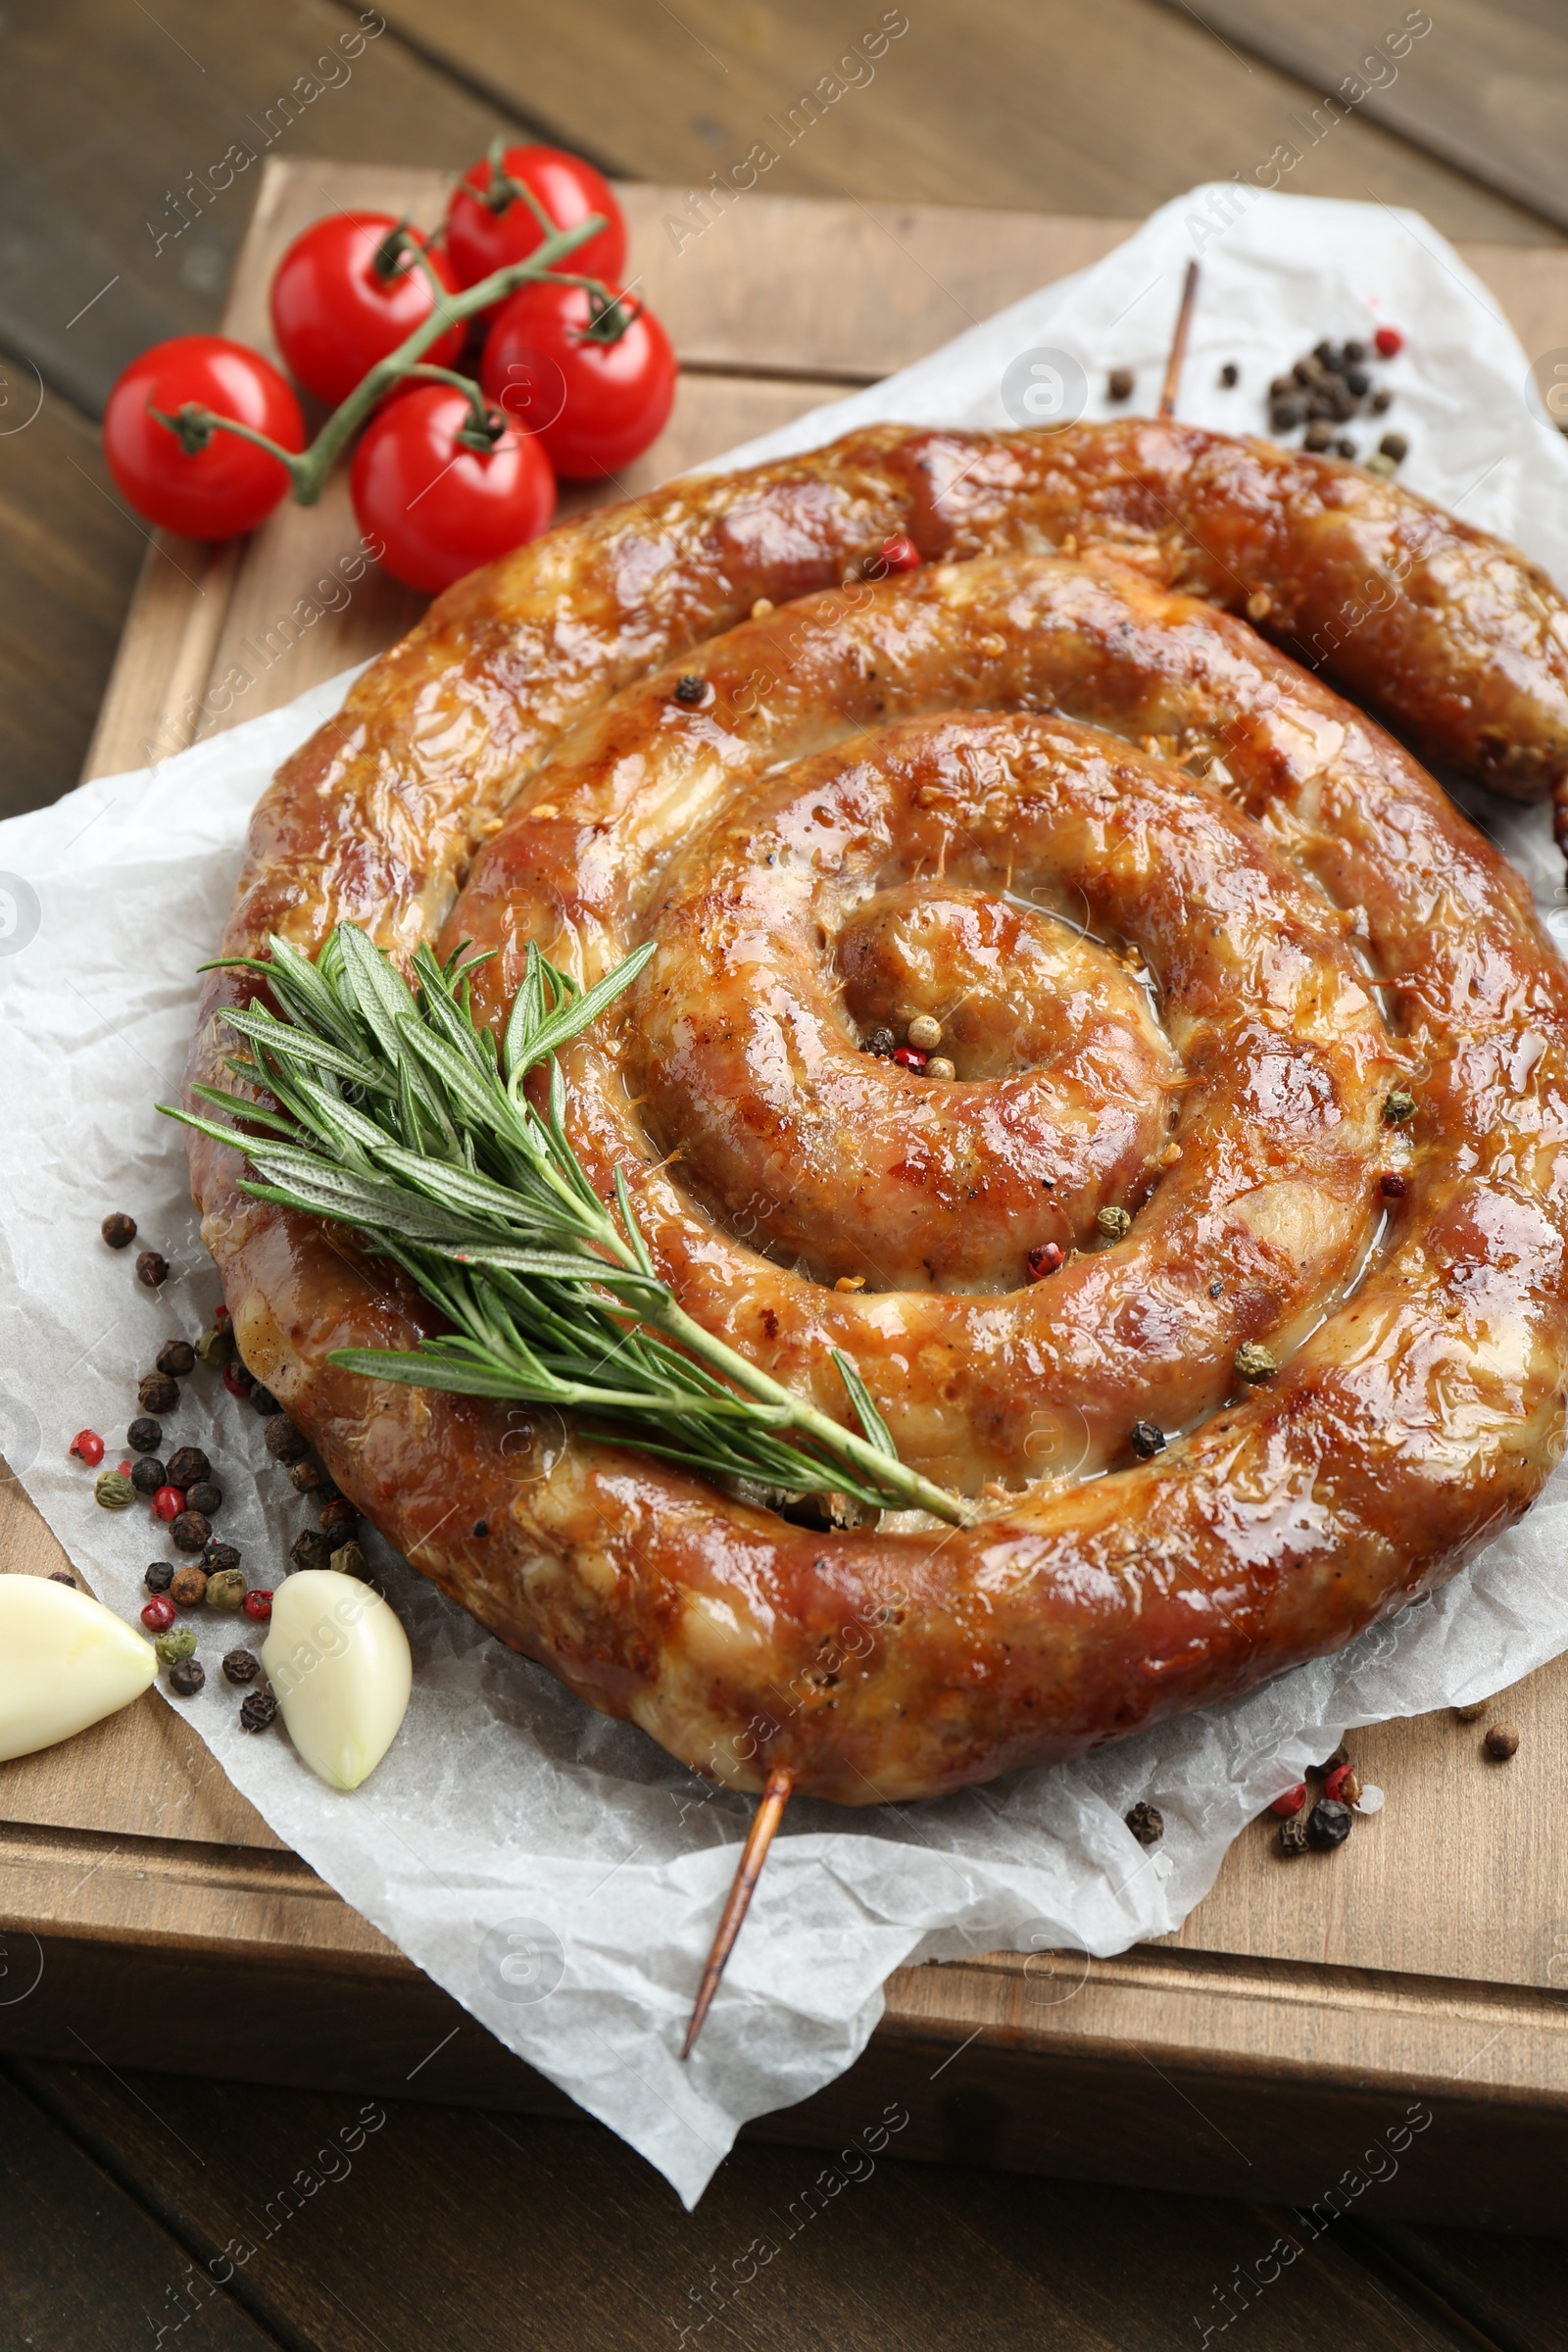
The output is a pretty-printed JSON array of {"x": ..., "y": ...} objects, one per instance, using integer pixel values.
[
  {"x": 480, "y": 240},
  {"x": 593, "y": 404},
  {"x": 230, "y": 485},
  {"x": 335, "y": 315},
  {"x": 439, "y": 507}
]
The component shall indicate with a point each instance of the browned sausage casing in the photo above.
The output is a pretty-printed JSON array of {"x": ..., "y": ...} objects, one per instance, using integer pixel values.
[{"x": 1196, "y": 930}]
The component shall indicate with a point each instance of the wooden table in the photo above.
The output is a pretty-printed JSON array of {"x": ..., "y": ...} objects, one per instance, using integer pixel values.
[{"x": 116, "y": 2186}]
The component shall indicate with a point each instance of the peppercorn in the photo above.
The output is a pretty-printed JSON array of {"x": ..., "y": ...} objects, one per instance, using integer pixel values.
[
  {"x": 1329, "y": 1823},
  {"x": 925, "y": 1033},
  {"x": 690, "y": 689},
  {"x": 1287, "y": 413},
  {"x": 897, "y": 553},
  {"x": 1293, "y": 1835},
  {"x": 88, "y": 1447},
  {"x": 156, "y": 1393},
  {"x": 178, "y": 1642},
  {"x": 158, "y": 1575},
  {"x": 306, "y": 1477},
  {"x": 221, "y": 1313},
  {"x": 237, "y": 1380},
  {"x": 1472, "y": 1713},
  {"x": 187, "y": 1677},
  {"x": 256, "y": 1710},
  {"x": 1147, "y": 1824},
  {"x": 1381, "y": 465},
  {"x": 1337, "y": 1783},
  {"x": 145, "y": 1435},
  {"x": 1501, "y": 1742},
  {"x": 1389, "y": 342},
  {"x": 1393, "y": 1185},
  {"x": 205, "y": 1497},
  {"x": 158, "y": 1615},
  {"x": 1291, "y": 1802},
  {"x": 1398, "y": 1106},
  {"x": 189, "y": 1585},
  {"x": 283, "y": 1442},
  {"x": 152, "y": 1268},
  {"x": 226, "y": 1590},
  {"x": 1120, "y": 384},
  {"x": 908, "y": 1057},
  {"x": 241, "y": 1665},
  {"x": 264, "y": 1400},
  {"x": 119, "y": 1229},
  {"x": 339, "y": 1514},
  {"x": 1345, "y": 447},
  {"x": 259, "y": 1604},
  {"x": 168, "y": 1502},
  {"x": 1358, "y": 383},
  {"x": 1394, "y": 446},
  {"x": 176, "y": 1356},
  {"x": 218, "y": 1556},
  {"x": 192, "y": 1531},
  {"x": 1354, "y": 352},
  {"x": 881, "y": 1043},
  {"x": 147, "y": 1475},
  {"x": 1281, "y": 386},
  {"x": 215, "y": 1348},
  {"x": 1147, "y": 1440},
  {"x": 311, "y": 1550},
  {"x": 186, "y": 1465},
  {"x": 941, "y": 1068},
  {"x": 349, "y": 1560},
  {"x": 1254, "y": 1362},
  {"x": 481, "y": 1527},
  {"x": 1382, "y": 401},
  {"x": 1230, "y": 376},
  {"x": 113, "y": 1492},
  {"x": 1047, "y": 1259},
  {"x": 1114, "y": 1222},
  {"x": 1319, "y": 433}
]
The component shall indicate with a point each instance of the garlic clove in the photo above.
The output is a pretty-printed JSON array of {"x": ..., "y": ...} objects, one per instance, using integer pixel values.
[
  {"x": 66, "y": 1661},
  {"x": 338, "y": 1661}
]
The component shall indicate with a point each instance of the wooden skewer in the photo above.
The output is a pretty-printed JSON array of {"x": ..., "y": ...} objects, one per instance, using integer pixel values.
[
  {"x": 769, "y": 1813},
  {"x": 1178, "y": 349}
]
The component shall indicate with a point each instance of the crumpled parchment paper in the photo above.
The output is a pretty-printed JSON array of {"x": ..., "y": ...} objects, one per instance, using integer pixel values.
[{"x": 556, "y": 1872}]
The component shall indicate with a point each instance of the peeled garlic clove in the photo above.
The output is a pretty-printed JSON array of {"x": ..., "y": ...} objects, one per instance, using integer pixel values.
[
  {"x": 66, "y": 1661},
  {"x": 338, "y": 1662}
]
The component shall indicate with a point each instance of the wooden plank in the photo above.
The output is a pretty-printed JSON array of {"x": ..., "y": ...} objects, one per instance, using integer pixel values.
[
  {"x": 1038, "y": 102},
  {"x": 1484, "y": 88},
  {"x": 784, "y": 2250},
  {"x": 1510, "y": 2289},
  {"x": 82, "y": 2266}
]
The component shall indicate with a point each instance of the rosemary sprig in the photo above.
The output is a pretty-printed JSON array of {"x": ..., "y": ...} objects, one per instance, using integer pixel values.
[{"x": 393, "y": 1110}]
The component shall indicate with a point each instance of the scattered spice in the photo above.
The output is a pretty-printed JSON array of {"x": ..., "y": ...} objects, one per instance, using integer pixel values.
[
  {"x": 192, "y": 1531},
  {"x": 241, "y": 1665},
  {"x": 119, "y": 1229},
  {"x": 237, "y": 1380},
  {"x": 63, "y": 1576},
  {"x": 925, "y": 1033},
  {"x": 881, "y": 1043},
  {"x": 1255, "y": 1362},
  {"x": 145, "y": 1435},
  {"x": 263, "y": 1400},
  {"x": 941, "y": 1068},
  {"x": 218, "y": 1556},
  {"x": 158, "y": 1615},
  {"x": 908, "y": 1057},
  {"x": 152, "y": 1268},
  {"x": 187, "y": 1675},
  {"x": 899, "y": 554},
  {"x": 226, "y": 1590},
  {"x": 215, "y": 1348},
  {"x": 168, "y": 1502},
  {"x": 306, "y": 1477},
  {"x": 1291, "y": 1802},
  {"x": 148, "y": 1474},
  {"x": 1398, "y": 1106},
  {"x": 189, "y": 1585},
  {"x": 311, "y": 1550},
  {"x": 1146, "y": 1439},
  {"x": 349, "y": 1560},
  {"x": 1047, "y": 1259},
  {"x": 1147, "y": 1822},
  {"x": 1120, "y": 384},
  {"x": 1338, "y": 1784},
  {"x": 339, "y": 1515},
  {"x": 1230, "y": 376},
  {"x": 113, "y": 1492},
  {"x": 1389, "y": 342},
  {"x": 178, "y": 1642},
  {"x": 1259, "y": 605},
  {"x": 1501, "y": 1742},
  {"x": 256, "y": 1710},
  {"x": 1216, "y": 1288},
  {"x": 259, "y": 1604},
  {"x": 481, "y": 1527},
  {"x": 175, "y": 1358},
  {"x": 1394, "y": 446},
  {"x": 205, "y": 1497},
  {"x": 1472, "y": 1713},
  {"x": 1293, "y": 1835},
  {"x": 690, "y": 689},
  {"x": 88, "y": 1447},
  {"x": 158, "y": 1575},
  {"x": 283, "y": 1442},
  {"x": 1113, "y": 1223},
  {"x": 1329, "y": 1823},
  {"x": 761, "y": 607},
  {"x": 1393, "y": 1185},
  {"x": 156, "y": 1393}
]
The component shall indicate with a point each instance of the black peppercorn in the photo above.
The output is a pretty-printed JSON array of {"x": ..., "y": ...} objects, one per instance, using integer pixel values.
[
  {"x": 339, "y": 1517},
  {"x": 311, "y": 1550},
  {"x": 204, "y": 1496},
  {"x": 264, "y": 1400},
  {"x": 1292, "y": 1835},
  {"x": 1285, "y": 415},
  {"x": 1319, "y": 433},
  {"x": 1120, "y": 384},
  {"x": 176, "y": 1356},
  {"x": 1147, "y": 1440},
  {"x": 63, "y": 1576},
  {"x": 1382, "y": 401},
  {"x": 156, "y": 1393},
  {"x": 119, "y": 1229},
  {"x": 1329, "y": 1823},
  {"x": 218, "y": 1556},
  {"x": 1394, "y": 446},
  {"x": 152, "y": 1268},
  {"x": 188, "y": 1467},
  {"x": 690, "y": 689},
  {"x": 881, "y": 1043},
  {"x": 1345, "y": 447},
  {"x": 283, "y": 1442},
  {"x": 145, "y": 1435},
  {"x": 1147, "y": 1824},
  {"x": 187, "y": 1675},
  {"x": 148, "y": 1475},
  {"x": 1357, "y": 380},
  {"x": 190, "y": 1532},
  {"x": 1354, "y": 353},
  {"x": 481, "y": 1527},
  {"x": 256, "y": 1710},
  {"x": 158, "y": 1575},
  {"x": 241, "y": 1665},
  {"x": 1230, "y": 375},
  {"x": 307, "y": 1477}
]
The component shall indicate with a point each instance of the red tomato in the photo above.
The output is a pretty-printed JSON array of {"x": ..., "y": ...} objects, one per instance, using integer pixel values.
[
  {"x": 230, "y": 485},
  {"x": 334, "y": 316},
  {"x": 593, "y": 404},
  {"x": 439, "y": 508},
  {"x": 480, "y": 240}
]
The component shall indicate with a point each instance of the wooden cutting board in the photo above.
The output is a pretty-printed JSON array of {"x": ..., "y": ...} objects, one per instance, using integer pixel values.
[{"x": 1389, "y": 2022}]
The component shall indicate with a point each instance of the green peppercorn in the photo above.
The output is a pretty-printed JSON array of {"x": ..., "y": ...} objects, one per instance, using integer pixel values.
[
  {"x": 349, "y": 1560},
  {"x": 215, "y": 1348},
  {"x": 226, "y": 1590},
  {"x": 1113, "y": 1223},
  {"x": 1254, "y": 1362},
  {"x": 113, "y": 1492},
  {"x": 1398, "y": 1106},
  {"x": 178, "y": 1642}
]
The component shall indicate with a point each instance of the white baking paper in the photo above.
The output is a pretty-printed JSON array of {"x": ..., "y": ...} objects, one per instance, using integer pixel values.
[{"x": 555, "y": 1870}]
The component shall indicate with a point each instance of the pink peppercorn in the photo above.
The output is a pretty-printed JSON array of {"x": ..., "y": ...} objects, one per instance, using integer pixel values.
[
  {"x": 159, "y": 1614},
  {"x": 1049, "y": 1259},
  {"x": 237, "y": 1380},
  {"x": 168, "y": 1502},
  {"x": 257, "y": 1604},
  {"x": 88, "y": 1447},
  {"x": 910, "y": 1057},
  {"x": 897, "y": 553},
  {"x": 1291, "y": 1802},
  {"x": 220, "y": 1314},
  {"x": 1334, "y": 1782},
  {"x": 1389, "y": 342}
]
